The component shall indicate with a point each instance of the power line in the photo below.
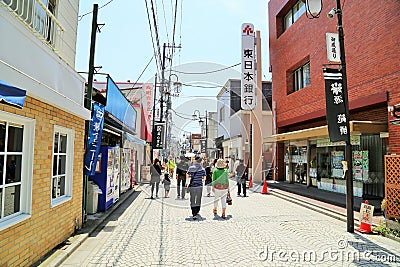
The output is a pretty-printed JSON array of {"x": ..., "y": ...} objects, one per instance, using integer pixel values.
[
  {"x": 133, "y": 86},
  {"x": 158, "y": 63},
  {"x": 81, "y": 16},
  {"x": 206, "y": 72},
  {"x": 165, "y": 20}
]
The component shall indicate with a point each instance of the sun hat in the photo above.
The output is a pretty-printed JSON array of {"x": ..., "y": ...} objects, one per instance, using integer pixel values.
[{"x": 221, "y": 164}]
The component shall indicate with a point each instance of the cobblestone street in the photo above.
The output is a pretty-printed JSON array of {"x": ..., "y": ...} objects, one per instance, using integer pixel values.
[{"x": 260, "y": 230}]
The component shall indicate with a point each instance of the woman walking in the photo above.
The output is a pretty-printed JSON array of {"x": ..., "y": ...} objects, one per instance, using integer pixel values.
[
  {"x": 155, "y": 172},
  {"x": 220, "y": 185}
]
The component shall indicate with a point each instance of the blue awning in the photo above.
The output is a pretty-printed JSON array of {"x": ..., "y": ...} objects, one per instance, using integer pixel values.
[{"x": 12, "y": 95}]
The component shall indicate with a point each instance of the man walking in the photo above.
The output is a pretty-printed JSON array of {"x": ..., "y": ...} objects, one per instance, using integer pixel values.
[
  {"x": 241, "y": 172},
  {"x": 195, "y": 176},
  {"x": 181, "y": 170}
]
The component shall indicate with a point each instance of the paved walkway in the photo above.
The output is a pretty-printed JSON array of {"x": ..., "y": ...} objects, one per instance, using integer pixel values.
[{"x": 261, "y": 230}]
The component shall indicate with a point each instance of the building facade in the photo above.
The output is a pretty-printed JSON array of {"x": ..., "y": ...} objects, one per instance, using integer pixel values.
[
  {"x": 234, "y": 123},
  {"x": 42, "y": 141},
  {"x": 304, "y": 152}
]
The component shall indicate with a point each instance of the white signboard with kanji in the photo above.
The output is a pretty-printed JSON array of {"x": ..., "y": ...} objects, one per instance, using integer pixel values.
[
  {"x": 248, "y": 80},
  {"x": 332, "y": 47},
  {"x": 366, "y": 213}
]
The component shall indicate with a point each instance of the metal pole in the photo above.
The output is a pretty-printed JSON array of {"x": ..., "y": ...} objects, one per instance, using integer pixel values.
[
  {"x": 348, "y": 153},
  {"x": 88, "y": 101},
  {"x": 206, "y": 135},
  {"x": 153, "y": 120}
]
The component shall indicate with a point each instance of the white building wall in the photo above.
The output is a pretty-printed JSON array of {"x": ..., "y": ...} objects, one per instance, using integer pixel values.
[{"x": 29, "y": 63}]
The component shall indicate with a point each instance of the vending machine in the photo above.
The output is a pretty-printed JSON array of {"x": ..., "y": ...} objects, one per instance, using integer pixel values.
[
  {"x": 125, "y": 169},
  {"x": 107, "y": 177}
]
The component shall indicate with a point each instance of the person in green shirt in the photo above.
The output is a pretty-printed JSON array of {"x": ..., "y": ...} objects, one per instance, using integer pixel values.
[
  {"x": 171, "y": 166},
  {"x": 220, "y": 184}
]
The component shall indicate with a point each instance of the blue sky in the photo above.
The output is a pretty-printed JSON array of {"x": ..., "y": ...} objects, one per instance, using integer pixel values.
[{"x": 209, "y": 32}]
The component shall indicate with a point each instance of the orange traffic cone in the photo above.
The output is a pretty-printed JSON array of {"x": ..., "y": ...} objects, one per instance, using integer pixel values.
[
  {"x": 251, "y": 181},
  {"x": 364, "y": 228},
  {"x": 265, "y": 188}
]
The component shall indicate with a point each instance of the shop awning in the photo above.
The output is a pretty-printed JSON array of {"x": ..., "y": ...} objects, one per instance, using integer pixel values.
[
  {"x": 12, "y": 95},
  {"x": 356, "y": 127}
]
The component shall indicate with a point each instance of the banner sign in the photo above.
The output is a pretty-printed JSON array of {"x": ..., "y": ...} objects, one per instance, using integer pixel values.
[
  {"x": 332, "y": 47},
  {"x": 248, "y": 79},
  {"x": 95, "y": 133},
  {"x": 158, "y": 136},
  {"x": 203, "y": 146},
  {"x": 336, "y": 106}
]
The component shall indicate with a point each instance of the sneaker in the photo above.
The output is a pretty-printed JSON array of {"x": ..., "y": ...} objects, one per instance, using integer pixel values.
[{"x": 194, "y": 217}]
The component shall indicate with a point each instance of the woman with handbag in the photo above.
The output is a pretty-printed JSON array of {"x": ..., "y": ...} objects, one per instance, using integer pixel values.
[{"x": 220, "y": 183}]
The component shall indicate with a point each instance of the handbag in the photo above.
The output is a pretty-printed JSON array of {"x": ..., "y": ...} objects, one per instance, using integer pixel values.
[{"x": 229, "y": 199}]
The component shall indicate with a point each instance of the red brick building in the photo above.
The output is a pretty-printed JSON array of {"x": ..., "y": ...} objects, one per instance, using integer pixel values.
[{"x": 298, "y": 55}]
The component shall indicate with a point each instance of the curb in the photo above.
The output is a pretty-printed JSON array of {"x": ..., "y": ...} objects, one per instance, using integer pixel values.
[{"x": 58, "y": 256}]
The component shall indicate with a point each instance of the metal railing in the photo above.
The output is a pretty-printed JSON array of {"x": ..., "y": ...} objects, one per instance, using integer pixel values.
[{"x": 38, "y": 17}]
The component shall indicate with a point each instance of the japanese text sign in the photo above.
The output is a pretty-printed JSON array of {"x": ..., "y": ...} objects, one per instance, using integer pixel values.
[
  {"x": 332, "y": 47},
  {"x": 248, "y": 79},
  {"x": 158, "y": 136},
  {"x": 336, "y": 106}
]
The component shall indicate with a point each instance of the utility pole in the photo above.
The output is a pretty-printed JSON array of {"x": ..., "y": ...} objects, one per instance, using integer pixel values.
[
  {"x": 348, "y": 152},
  {"x": 153, "y": 126},
  {"x": 88, "y": 101}
]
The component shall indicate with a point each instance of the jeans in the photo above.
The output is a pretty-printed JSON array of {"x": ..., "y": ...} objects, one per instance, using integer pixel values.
[
  {"x": 156, "y": 184},
  {"x": 242, "y": 184},
  {"x": 181, "y": 180},
  {"x": 195, "y": 199}
]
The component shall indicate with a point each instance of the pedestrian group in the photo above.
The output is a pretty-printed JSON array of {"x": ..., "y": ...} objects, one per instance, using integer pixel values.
[{"x": 192, "y": 175}]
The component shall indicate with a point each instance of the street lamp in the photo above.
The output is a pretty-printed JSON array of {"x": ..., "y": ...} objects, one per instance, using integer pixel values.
[
  {"x": 314, "y": 8},
  {"x": 196, "y": 114}
]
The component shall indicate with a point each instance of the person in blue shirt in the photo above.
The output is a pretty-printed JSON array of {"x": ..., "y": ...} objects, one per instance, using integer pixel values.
[{"x": 194, "y": 182}]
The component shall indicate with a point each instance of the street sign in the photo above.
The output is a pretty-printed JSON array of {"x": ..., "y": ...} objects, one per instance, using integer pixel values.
[
  {"x": 248, "y": 79},
  {"x": 332, "y": 47}
]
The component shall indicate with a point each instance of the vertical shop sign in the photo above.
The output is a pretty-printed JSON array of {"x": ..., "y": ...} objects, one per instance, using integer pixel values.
[
  {"x": 95, "y": 133},
  {"x": 158, "y": 136},
  {"x": 336, "y": 106},
  {"x": 148, "y": 88},
  {"x": 248, "y": 79},
  {"x": 203, "y": 146},
  {"x": 332, "y": 47}
]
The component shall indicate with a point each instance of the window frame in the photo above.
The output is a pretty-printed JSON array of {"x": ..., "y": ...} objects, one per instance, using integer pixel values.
[
  {"x": 294, "y": 13},
  {"x": 69, "y": 166},
  {"x": 301, "y": 82},
  {"x": 26, "y": 168}
]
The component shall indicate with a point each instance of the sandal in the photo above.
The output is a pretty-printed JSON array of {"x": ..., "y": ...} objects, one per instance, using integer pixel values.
[
  {"x": 223, "y": 216},
  {"x": 215, "y": 211}
]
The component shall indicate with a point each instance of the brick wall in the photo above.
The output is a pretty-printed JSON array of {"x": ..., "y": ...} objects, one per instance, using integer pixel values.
[
  {"x": 372, "y": 46},
  {"x": 25, "y": 243}
]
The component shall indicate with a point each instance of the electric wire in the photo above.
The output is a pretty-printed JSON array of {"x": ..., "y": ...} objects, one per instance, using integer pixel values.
[
  {"x": 207, "y": 72},
  {"x": 81, "y": 16},
  {"x": 156, "y": 29},
  {"x": 158, "y": 62},
  {"x": 133, "y": 86},
  {"x": 165, "y": 20}
]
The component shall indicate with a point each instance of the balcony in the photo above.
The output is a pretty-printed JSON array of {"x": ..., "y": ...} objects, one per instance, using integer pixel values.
[{"x": 39, "y": 18}]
